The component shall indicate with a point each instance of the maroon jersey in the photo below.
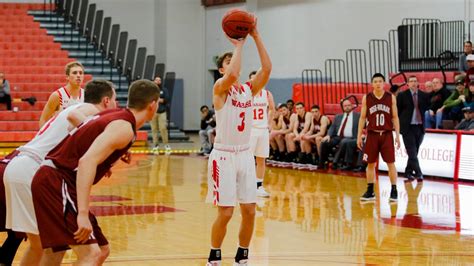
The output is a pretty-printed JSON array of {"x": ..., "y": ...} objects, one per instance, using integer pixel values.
[
  {"x": 67, "y": 154},
  {"x": 379, "y": 112},
  {"x": 317, "y": 124},
  {"x": 286, "y": 120},
  {"x": 301, "y": 122}
]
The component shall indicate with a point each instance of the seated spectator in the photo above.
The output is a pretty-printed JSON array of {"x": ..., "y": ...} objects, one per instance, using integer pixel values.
[
  {"x": 468, "y": 122},
  {"x": 317, "y": 131},
  {"x": 299, "y": 123},
  {"x": 434, "y": 114},
  {"x": 453, "y": 105},
  {"x": 428, "y": 87},
  {"x": 5, "y": 91},
  {"x": 468, "y": 101},
  {"x": 463, "y": 66},
  {"x": 280, "y": 126},
  {"x": 470, "y": 71},
  {"x": 290, "y": 104},
  {"x": 341, "y": 133},
  {"x": 208, "y": 123}
]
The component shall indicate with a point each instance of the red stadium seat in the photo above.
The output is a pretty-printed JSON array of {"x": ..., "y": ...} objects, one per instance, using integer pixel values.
[
  {"x": 48, "y": 70},
  {"x": 20, "y": 116}
]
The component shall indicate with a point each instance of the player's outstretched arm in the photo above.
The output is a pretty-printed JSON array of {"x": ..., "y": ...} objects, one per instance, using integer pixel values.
[
  {"x": 232, "y": 72},
  {"x": 50, "y": 108},
  {"x": 117, "y": 135},
  {"x": 363, "y": 115},
  {"x": 78, "y": 115},
  {"x": 263, "y": 74}
]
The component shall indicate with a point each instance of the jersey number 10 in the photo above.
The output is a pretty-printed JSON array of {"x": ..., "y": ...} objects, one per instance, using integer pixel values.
[{"x": 379, "y": 120}]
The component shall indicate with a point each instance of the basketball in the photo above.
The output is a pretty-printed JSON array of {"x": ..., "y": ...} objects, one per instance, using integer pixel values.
[{"x": 237, "y": 23}]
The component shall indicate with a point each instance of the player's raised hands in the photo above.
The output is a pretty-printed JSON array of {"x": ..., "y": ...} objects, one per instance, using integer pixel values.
[
  {"x": 254, "y": 31},
  {"x": 236, "y": 42}
]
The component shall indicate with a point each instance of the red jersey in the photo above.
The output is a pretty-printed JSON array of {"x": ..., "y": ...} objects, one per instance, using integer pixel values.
[
  {"x": 67, "y": 154},
  {"x": 379, "y": 112}
]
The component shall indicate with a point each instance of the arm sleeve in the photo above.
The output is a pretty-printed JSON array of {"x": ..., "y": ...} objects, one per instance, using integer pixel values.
[{"x": 452, "y": 100}]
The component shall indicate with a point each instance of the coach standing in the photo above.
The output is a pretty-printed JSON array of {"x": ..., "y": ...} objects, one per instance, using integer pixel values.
[{"x": 412, "y": 104}]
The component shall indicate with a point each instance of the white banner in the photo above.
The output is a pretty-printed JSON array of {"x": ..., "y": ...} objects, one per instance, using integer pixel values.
[
  {"x": 466, "y": 162},
  {"x": 436, "y": 155}
]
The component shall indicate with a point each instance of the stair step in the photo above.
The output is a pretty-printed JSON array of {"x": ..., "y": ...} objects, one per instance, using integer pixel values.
[
  {"x": 48, "y": 19},
  {"x": 72, "y": 47},
  {"x": 53, "y": 25},
  {"x": 67, "y": 39},
  {"x": 40, "y": 13},
  {"x": 115, "y": 78},
  {"x": 89, "y": 54},
  {"x": 60, "y": 32}
]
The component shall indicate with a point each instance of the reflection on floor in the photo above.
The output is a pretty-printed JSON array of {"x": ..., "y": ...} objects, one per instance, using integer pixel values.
[{"x": 153, "y": 213}]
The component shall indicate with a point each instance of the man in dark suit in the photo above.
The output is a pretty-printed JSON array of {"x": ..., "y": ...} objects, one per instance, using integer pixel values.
[
  {"x": 342, "y": 132},
  {"x": 412, "y": 104}
]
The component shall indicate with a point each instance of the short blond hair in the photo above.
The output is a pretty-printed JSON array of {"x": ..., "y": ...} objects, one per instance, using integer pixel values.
[{"x": 70, "y": 65}]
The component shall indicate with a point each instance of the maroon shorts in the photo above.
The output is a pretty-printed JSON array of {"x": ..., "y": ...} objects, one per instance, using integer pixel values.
[
  {"x": 379, "y": 143},
  {"x": 57, "y": 222}
]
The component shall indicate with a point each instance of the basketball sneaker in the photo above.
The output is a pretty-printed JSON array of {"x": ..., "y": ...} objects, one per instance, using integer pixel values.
[
  {"x": 261, "y": 192},
  {"x": 156, "y": 149},
  {"x": 241, "y": 263},
  {"x": 368, "y": 196},
  {"x": 214, "y": 263},
  {"x": 167, "y": 148},
  {"x": 394, "y": 195}
]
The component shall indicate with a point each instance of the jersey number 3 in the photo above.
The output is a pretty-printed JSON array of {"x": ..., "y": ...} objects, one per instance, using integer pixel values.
[{"x": 241, "y": 127}]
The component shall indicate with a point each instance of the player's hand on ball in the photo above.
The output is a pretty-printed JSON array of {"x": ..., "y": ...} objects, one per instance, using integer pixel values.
[
  {"x": 84, "y": 229},
  {"x": 236, "y": 42},
  {"x": 254, "y": 31}
]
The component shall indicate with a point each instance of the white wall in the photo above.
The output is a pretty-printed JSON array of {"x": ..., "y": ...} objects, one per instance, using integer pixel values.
[
  {"x": 137, "y": 17},
  {"x": 180, "y": 44}
]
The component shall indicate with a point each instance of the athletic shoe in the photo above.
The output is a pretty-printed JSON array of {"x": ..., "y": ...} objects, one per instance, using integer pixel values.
[
  {"x": 214, "y": 263},
  {"x": 241, "y": 263},
  {"x": 394, "y": 195},
  {"x": 368, "y": 196},
  {"x": 262, "y": 193},
  {"x": 167, "y": 148},
  {"x": 156, "y": 150}
]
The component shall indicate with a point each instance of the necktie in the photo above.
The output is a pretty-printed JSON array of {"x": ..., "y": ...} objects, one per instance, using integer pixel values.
[
  {"x": 341, "y": 133},
  {"x": 417, "y": 110}
]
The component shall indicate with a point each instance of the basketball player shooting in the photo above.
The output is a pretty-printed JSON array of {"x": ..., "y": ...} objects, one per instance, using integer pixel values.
[{"x": 231, "y": 166}]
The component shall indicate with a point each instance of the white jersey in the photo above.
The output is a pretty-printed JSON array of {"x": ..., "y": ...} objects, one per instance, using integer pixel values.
[
  {"x": 234, "y": 119},
  {"x": 260, "y": 110},
  {"x": 50, "y": 134},
  {"x": 66, "y": 100}
]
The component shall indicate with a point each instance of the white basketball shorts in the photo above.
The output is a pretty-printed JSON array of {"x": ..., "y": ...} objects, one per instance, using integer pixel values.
[
  {"x": 231, "y": 176},
  {"x": 260, "y": 142},
  {"x": 19, "y": 200}
]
